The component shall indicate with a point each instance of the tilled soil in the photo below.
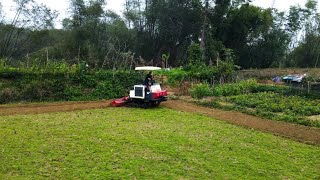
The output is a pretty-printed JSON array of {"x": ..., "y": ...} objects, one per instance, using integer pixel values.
[
  {"x": 52, "y": 107},
  {"x": 300, "y": 133}
]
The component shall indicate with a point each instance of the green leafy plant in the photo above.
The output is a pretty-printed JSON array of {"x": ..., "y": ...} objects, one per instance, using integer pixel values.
[
  {"x": 61, "y": 83},
  {"x": 201, "y": 90},
  {"x": 242, "y": 87},
  {"x": 275, "y": 106},
  {"x": 194, "y": 55}
]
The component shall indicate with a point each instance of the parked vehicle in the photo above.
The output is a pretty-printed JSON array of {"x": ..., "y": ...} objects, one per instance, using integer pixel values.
[{"x": 295, "y": 78}]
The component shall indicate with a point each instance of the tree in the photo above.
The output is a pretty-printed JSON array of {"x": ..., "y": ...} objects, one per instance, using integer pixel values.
[
  {"x": 243, "y": 31},
  {"x": 28, "y": 16},
  {"x": 85, "y": 25},
  {"x": 1, "y": 16},
  {"x": 308, "y": 50},
  {"x": 98, "y": 37},
  {"x": 169, "y": 24},
  {"x": 195, "y": 55},
  {"x": 134, "y": 13}
]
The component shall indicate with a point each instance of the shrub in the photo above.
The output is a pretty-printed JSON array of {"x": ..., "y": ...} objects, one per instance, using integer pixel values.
[
  {"x": 24, "y": 85},
  {"x": 108, "y": 90},
  {"x": 174, "y": 77},
  {"x": 8, "y": 95},
  {"x": 194, "y": 54},
  {"x": 72, "y": 93},
  {"x": 8, "y": 74},
  {"x": 200, "y": 90},
  {"x": 38, "y": 90},
  {"x": 242, "y": 87},
  {"x": 87, "y": 81}
]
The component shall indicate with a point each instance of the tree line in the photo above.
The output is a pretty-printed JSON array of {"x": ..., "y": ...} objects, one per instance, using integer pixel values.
[{"x": 163, "y": 33}]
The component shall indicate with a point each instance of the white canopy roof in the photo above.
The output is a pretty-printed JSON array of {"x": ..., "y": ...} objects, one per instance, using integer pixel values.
[{"x": 147, "y": 68}]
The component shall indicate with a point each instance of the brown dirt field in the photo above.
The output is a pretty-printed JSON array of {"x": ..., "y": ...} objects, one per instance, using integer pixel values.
[
  {"x": 296, "y": 132},
  {"x": 52, "y": 107}
]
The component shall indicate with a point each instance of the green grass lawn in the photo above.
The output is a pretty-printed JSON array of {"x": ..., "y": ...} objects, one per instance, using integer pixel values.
[{"x": 129, "y": 143}]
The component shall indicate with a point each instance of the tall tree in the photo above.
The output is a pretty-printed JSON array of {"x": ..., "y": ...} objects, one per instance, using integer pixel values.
[
  {"x": 28, "y": 16},
  {"x": 84, "y": 25},
  {"x": 308, "y": 51},
  {"x": 134, "y": 13},
  {"x": 169, "y": 24},
  {"x": 1, "y": 14},
  {"x": 245, "y": 26},
  {"x": 98, "y": 37}
]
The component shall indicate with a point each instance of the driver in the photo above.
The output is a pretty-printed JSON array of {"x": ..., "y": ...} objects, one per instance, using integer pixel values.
[{"x": 148, "y": 80}]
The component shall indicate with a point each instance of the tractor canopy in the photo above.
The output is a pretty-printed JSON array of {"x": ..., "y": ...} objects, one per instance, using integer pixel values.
[{"x": 147, "y": 68}]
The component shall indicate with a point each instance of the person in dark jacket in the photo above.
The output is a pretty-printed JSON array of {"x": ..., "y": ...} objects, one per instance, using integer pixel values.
[{"x": 148, "y": 80}]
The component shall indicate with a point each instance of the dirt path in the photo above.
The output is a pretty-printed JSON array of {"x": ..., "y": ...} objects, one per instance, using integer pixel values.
[
  {"x": 297, "y": 132},
  {"x": 300, "y": 133},
  {"x": 52, "y": 107}
]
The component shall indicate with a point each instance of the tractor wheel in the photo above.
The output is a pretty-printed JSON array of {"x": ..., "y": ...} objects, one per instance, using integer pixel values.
[
  {"x": 155, "y": 103},
  {"x": 147, "y": 105}
]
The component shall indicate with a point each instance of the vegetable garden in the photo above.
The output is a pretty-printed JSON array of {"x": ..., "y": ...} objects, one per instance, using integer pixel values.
[{"x": 269, "y": 101}]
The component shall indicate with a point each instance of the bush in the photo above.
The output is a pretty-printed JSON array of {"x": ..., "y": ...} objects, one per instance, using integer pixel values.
[
  {"x": 8, "y": 95},
  {"x": 8, "y": 74},
  {"x": 176, "y": 78},
  {"x": 87, "y": 81},
  {"x": 194, "y": 54},
  {"x": 38, "y": 91},
  {"x": 199, "y": 73},
  {"x": 242, "y": 87},
  {"x": 108, "y": 90},
  {"x": 201, "y": 90},
  {"x": 22, "y": 85},
  {"x": 72, "y": 93}
]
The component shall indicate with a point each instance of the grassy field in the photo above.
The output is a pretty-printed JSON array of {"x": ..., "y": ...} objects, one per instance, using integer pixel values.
[{"x": 129, "y": 143}]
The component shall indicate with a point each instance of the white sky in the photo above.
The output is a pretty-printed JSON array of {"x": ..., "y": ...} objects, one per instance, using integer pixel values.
[{"x": 62, "y": 5}]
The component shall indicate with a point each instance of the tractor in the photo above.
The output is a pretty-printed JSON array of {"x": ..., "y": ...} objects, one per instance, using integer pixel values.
[{"x": 143, "y": 95}]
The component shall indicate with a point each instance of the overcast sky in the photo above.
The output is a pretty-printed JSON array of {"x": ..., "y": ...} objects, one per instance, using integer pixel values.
[{"x": 62, "y": 5}]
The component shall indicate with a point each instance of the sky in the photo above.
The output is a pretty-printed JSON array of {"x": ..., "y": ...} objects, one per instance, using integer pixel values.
[{"x": 117, "y": 5}]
